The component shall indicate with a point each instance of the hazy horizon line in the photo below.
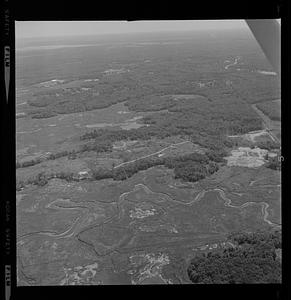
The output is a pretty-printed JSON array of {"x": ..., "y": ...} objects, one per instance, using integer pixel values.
[{"x": 17, "y": 37}]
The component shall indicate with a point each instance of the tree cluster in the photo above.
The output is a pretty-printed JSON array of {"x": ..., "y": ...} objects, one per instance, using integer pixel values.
[
  {"x": 41, "y": 179},
  {"x": 97, "y": 146},
  {"x": 253, "y": 260},
  {"x": 191, "y": 167}
]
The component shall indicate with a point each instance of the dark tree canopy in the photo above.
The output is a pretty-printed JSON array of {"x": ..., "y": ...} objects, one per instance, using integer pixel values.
[{"x": 253, "y": 260}]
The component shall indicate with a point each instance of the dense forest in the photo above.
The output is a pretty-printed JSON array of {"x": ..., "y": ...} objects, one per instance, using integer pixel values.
[
  {"x": 98, "y": 147},
  {"x": 191, "y": 167},
  {"x": 102, "y": 140},
  {"x": 252, "y": 260},
  {"x": 65, "y": 101},
  {"x": 43, "y": 178},
  {"x": 157, "y": 94},
  {"x": 211, "y": 141}
]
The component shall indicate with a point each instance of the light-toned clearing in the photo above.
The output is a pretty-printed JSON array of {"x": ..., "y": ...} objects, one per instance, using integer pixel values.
[
  {"x": 186, "y": 97},
  {"x": 20, "y": 114},
  {"x": 247, "y": 157},
  {"x": 123, "y": 112},
  {"x": 267, "y": 72},
  {"x": 232, "y": 64},
  {"x": 140, "y": 213},
  {"x": 100, "y": 125},
  {"x": 31, "y": 131},
  {"x": 21, "y": 103},
  {"x": 115, "y": 71},
  {"x": 79, "y": 275},
  {"x": 204, "y": 84},
  {"x": 152, "y": 269},
  {"x": 128, "y": 124},
  {"x": 87, "y": 80},
  {"x": 52, "y": 82},
  {"x": 84, "y": 174},
  {"x": 252, "y": 135},
  {"x": 134, "y": 119}
]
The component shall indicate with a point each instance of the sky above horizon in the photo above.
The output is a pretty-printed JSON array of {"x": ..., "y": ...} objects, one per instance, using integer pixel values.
[{"x": 34, "y": 29}]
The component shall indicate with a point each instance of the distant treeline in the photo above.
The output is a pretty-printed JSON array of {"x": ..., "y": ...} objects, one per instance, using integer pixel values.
[
  {"x": 103, "y": 139},
  {"x": 214, "y": 113},
  {"x": 191, "y": 167},
  {"x": 252, "y": 260},
  {"x": 42, "y": 179},
  {"x": 213, "y": 142},
  {"x": 71, "y": 154},
  {"x": 71, "y": 100},
  {"x": 163, "y": 125},
  {"x": 142, "y": 91},
  {"x": 216, "y": 145},
  {"x": 99, "y": 147}
]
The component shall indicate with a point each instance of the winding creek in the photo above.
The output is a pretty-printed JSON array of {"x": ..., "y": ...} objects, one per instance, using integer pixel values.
[
  {"x": 71, "y": 230},
  {"x": 85, "y": 210}
]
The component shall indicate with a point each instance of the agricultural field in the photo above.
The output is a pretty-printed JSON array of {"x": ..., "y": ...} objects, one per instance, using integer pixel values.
[{"x": 135, "y": 155}]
